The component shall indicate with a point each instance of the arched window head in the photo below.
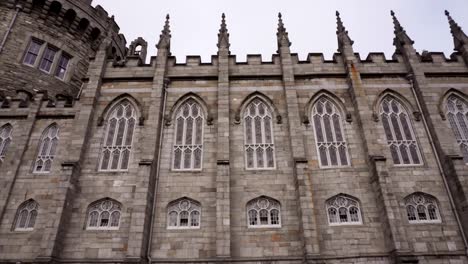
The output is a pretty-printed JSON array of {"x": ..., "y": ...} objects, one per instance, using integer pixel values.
[
  {"x": 457, "y": 114},
  {"x": 183, "y": 214},
  {"x": 26, "y": 216},
  {"x": 118, "y": 141},
  {"x": 188, "y": 138},
  {"x": 47, "y": 149},
  {"x": 263, "y": 212},
  {"x": 422, "y": 208},
  {"x": 258, "y": 136},
  {"x": 5, "y": 140},
  {"x": 329, "y": 134},
  {"x": 104, "y": 215},
  {"x": 399, "y": 132},
  {"x": 343, "y": 210}
]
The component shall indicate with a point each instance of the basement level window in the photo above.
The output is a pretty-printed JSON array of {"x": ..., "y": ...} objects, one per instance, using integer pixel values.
[{"x": 48, "y": 59}]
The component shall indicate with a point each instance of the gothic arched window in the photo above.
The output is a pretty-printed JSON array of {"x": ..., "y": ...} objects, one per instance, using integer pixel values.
[
  {"x": 104, "y": 214},
  {"x": 399, "y": 132},
  {"x": 329, "y": 134},
  {"x": 47, "y": 149},
  {"x": 5, "y": 140},
  {"x": 422, "y": 208},
  {"x": 183, "y": 214},
  {"x": 26, "y": 216},
  {"x": 457, "y": 114},
  {"x": 258, "y": 135},
  {"x": 188, "y": 138},
  {"x": 343, "y": 210},
  {"x": 264, "y": 212},
  {"x": 119, "y": 137}
]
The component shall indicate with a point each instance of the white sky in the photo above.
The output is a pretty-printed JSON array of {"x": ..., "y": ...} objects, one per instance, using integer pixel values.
[{"x": 311, "y": 24}]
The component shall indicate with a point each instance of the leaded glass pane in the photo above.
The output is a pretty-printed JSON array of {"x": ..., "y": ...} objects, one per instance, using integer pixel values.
[
  {"x": 187, "y": 158},
  {"x": 115, "y": 217},
  {"x": 264, "y": 217},
  {"x": 23, "y": 217},
  {"x": 93, "y": 219},
  {"x": 195, "y": 218},
  {"x": 354, "y": 214},
  {"x": 253, "y": 217},
  {"x": 404, "y": 154},
  {"x": 184, "y": 215},
  {"x": 323, "y": 156},
  {"x": 173, "y": 218},
  {"x": 274, "y": 216},
  {"x": 104, "y": 221},
  {"x": 5, "y": 139},
  {"x": 343, "y": 213},
  {"x": 318, "y": 129},
  {"x": 115, "y": 159},
  {"x": 411, "y": 211},
  {"x": 197, "y": 158},
  {"x": 332, "y": 215},
  {"x": 432, "y": 212},
  {"x": 422, "y": 212},
  {"x": 125, "y": 159}
]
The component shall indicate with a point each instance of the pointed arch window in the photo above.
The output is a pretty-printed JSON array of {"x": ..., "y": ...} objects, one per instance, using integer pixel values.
[
  {"x": 343, "y": 210},
  {"x": 104, "y": 215},
  {"x": 399, "y": 133},
  {"x": 184, "y": 214},
  {"x": 258, "y": 136},
  {"x": 188, "y": 138},
  {"x": 329, "y": 134},
  {"x": 263, "y": 212},
  {"x": 118, "y": 141},
  {"x": 422, "y": 208},
  {"x": 26, "y": 216},
  {"x": 457, "y": 115},
  {"x": 5, "y": 140},
  {"x": 47, "y": 149}
]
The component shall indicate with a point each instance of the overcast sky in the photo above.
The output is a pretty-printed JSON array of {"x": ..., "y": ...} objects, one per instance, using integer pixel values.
[{"x": 311, "y": 24}]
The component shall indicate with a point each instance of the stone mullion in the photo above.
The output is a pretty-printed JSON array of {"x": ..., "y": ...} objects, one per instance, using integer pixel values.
[
  {"x": 307, "y": 220},
  {"x": 223, "y": 218}
]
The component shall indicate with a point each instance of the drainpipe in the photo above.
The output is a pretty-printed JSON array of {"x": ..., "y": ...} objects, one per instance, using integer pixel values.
[
  {"x": 439, "y": 164},
  {"x": 13, "y": 20},
  {"x": 158, "y": 163}
]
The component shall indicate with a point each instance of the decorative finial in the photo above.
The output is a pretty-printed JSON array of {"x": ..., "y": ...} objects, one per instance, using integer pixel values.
[
  {"x": 282, "y": 34},
  {"x": 459, "y": 37},
  {"x": 343, "y": 36},
  {"x": 165, "y": 37},
  {"x": 400, "y": 34},
  {"x": 223, "y": 35}
]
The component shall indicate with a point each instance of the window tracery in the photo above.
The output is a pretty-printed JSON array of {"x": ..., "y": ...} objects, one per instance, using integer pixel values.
[
  {"x": 399, "y": 133},
  {"x": 264, "y": 212},
  {"x": 343, "y": 210},
  {"x": 457, "y": 115},
  {"x": 329, "y": 134},
  {"x": 184, "y": 214},
  {"x": 422, "y": 208},
  {"x": 188, "y": 138},
  {"x": 47, "y": 149},
  {"x": 104, "y": 214},
  {"x": 26, "y": 216},
  {"x": 118, "y": 141},
  {"x": 258, "y": 136}
]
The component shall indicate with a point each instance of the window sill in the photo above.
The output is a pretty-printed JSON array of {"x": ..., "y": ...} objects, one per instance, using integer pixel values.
[
  {"x": 183, "y": 228},
  {"x": 265, "y": 227}
]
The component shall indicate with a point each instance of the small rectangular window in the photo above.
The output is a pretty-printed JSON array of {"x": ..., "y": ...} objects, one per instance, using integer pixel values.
[
  {"x": 33, "y": 52},
  {"x": 47, "y": 59},
  {"x": 62, "y": 66}
]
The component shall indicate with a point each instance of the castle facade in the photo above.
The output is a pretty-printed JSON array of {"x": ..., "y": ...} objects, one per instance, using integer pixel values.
[{"x": 109, "y": 157}]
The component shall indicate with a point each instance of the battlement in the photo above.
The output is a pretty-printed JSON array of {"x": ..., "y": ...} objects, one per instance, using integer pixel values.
[{"x": 24, "y": 99}]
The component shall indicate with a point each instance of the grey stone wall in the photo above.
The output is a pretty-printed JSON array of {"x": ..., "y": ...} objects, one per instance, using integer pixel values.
[{"x": 224, "y": 186}]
